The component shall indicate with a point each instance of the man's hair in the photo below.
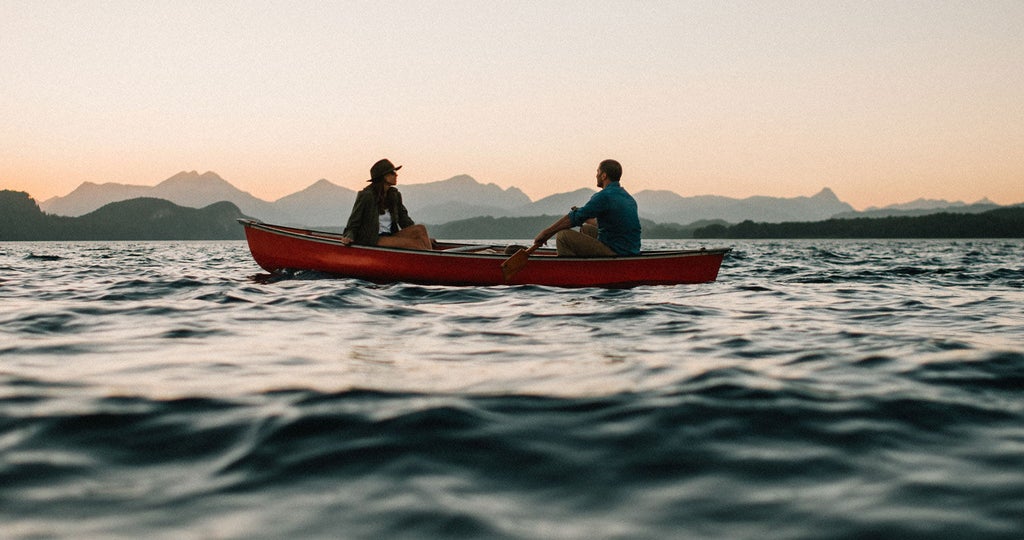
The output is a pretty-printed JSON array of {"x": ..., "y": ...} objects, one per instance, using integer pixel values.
[{"x": 612, "y": 169}]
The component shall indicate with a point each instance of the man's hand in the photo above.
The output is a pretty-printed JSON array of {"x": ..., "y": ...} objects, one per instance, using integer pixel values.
[{"x": 546, "y": 234}]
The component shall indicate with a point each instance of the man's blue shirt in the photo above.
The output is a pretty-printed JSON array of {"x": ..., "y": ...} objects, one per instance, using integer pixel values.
[{"x": 618, "y": 224}]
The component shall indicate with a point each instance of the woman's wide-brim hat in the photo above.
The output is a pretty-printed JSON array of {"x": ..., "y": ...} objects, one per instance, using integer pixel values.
[{"x": 381, "y": 169}]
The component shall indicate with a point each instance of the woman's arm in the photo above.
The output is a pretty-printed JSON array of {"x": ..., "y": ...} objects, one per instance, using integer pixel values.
[
  {"x": 357, "y": 219},
  {"x": 401, "y": 215}
]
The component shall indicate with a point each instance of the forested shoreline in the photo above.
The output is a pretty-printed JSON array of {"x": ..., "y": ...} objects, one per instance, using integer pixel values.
[{"x": 159, "y": 219}]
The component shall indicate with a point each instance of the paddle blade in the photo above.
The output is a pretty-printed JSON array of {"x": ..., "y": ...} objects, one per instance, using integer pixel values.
[{"x": 515, "y": 263}]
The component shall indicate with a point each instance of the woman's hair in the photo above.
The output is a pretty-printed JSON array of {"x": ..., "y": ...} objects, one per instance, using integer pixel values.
[
  {"x": 612, "y": 169},
  {"x": 380, "y": 194}
]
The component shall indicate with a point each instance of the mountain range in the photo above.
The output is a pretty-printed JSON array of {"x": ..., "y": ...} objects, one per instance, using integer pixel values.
[
  {"x": 139, "y": 218},
  {"x": 922, "y": 207},
  {"x": 325, "y": 204},
  {"x": 146, "y": 218}
]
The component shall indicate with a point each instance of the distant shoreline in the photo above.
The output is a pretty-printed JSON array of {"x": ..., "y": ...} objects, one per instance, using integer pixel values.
[{"x": 159, "y": 219}]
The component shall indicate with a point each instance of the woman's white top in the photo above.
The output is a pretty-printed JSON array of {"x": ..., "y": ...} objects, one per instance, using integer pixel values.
[{"x": 385, "y": 222}]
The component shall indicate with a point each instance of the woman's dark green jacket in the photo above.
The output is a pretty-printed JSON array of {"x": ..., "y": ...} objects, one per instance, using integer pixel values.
[{"x": 364, "y": 224}]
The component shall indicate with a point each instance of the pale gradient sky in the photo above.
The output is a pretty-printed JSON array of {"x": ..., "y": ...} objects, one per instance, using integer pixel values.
[{"x": 884, "y": 102}]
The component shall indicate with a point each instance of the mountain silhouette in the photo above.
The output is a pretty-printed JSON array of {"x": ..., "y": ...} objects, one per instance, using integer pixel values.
[
  {"x": 557, "y": 204},
  {"x": 90, "y": 196},
  {"x": 929, "y": 204},
  {"x": 1003, "y": 222},
  {"x": 319, "y": 205},
  {"x": 923, "y": 207},
  {"x": 189, "y": 189},
  {"x": 141, "y": 218},
  {"x": 149, "y": 218},
  {"x": 460, "y": 197},
  {"x": 325, "y": 204},
  {"x": 665, "y": 206}
]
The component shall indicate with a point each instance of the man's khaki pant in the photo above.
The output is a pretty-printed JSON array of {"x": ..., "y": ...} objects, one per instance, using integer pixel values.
[{"x": 572, "y": 243}]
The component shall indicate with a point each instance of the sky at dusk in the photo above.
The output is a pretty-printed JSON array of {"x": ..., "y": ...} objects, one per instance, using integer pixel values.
[{"x": 882, "y": 101}]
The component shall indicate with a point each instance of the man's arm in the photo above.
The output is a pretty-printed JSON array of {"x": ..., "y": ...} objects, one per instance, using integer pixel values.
[{"x": 546, "y": 234}]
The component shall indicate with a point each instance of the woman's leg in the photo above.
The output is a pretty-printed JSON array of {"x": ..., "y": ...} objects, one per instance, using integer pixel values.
[{"x": 412, "y": 237}]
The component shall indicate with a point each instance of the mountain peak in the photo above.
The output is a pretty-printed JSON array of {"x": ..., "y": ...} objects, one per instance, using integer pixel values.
[
  {"x": 461, "y": 179},
  {"x": 920, "y": 203},
  {"x": 193, "y": 180},
  {"x": 184, "y": 175},
  {"x": 193, "y": 175},
  {"x": 826, "y": 194},
  {"x": 322, "y": 186}
]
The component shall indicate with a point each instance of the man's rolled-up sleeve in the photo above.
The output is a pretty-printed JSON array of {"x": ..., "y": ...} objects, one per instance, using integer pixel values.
[{"x": 592, "y": 209}]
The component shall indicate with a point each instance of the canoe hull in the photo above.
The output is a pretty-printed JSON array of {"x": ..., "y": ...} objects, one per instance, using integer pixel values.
[{"x": 276, "y": 248}]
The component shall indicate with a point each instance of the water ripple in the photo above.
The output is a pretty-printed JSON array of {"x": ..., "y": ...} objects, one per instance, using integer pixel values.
[{"x": 819, "y": 388}]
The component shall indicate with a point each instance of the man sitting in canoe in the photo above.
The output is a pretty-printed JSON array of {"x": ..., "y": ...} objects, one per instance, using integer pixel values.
[
  {"x": 618, "y": 224},
  {"x": 378, "y": 216}
]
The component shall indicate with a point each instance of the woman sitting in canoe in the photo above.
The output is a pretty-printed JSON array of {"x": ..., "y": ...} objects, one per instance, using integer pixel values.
[{"x": 378, "y": 216}]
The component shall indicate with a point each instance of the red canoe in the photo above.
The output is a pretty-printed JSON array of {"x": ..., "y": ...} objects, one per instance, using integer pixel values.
[{"x": 276, "y": 248}]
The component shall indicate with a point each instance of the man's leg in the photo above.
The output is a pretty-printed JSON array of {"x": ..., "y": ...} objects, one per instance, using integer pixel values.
[{"x": 571, "y": 243}]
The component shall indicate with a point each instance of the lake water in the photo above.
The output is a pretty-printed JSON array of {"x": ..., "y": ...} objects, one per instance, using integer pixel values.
[{"x": 819, "y": 389}]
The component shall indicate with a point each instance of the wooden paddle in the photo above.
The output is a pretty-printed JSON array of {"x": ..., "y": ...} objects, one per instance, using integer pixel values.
[{"x": 516, "y": 262}]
